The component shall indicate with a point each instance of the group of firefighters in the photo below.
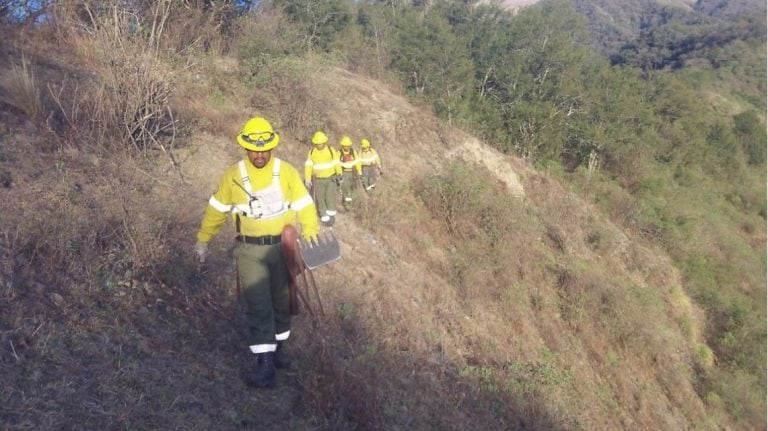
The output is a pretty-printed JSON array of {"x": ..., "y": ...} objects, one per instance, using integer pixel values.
[
  {"x": 328, "y": 169},
  {"x": 265, "y": 196}
]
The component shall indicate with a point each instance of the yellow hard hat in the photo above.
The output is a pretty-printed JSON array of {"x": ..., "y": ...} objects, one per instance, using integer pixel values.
[
  {"x": 319, "y": 138},
  {"x": 257, "y": 135},
  {"x": 345, "y": 142},
  {"x": 365, "y": 143}
]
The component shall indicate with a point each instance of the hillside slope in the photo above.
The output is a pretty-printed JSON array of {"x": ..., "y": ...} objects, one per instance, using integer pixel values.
[
  {"x": 535, "y": 320},
  {"x": 474, "y": 292}
]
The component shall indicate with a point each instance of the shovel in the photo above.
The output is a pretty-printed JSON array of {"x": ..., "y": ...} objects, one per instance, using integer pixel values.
[{"x": 322, "y": 252}]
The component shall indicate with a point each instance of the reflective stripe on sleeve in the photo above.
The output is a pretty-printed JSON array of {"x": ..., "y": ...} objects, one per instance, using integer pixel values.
[
  {"x": 302, "y": 203},
  {"x": 283, "y": 336},
  {"x": 218, "y": 206}
]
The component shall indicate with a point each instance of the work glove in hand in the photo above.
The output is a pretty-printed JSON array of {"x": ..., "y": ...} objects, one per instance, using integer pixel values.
[
  {"x": 308, "y": 184},
  {"x": 201, "y": 249},
  {"x": 338, "y": 180}
]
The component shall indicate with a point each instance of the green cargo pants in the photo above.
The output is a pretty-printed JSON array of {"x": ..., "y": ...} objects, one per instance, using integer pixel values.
[
  {"x": 326, "y": 194},
  {"x": 348, "y": 186},
  {"x": 265, "y": 287}
]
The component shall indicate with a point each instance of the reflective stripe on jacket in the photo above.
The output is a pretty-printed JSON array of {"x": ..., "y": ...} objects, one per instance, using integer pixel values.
[
  {"x": 322, "y": 163},
  {"x": 369, "y": 157},
  {"x": 277, "y": 198},
  {"x": 350, "y": 161}
]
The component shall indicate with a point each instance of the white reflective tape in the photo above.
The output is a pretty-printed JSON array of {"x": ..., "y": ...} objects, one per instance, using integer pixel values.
[
  {"x": 283, "y": 336},
  {"x": 330, "y": 212},
  {"x": 309, "y": 162},
  {"x": 263, "y": 348},
  {"x": 302, "y": 203},
  {"x": 329, "y": 165},
  {"x": 325, "y": 218},
  {"x": 218, "y": 206}
]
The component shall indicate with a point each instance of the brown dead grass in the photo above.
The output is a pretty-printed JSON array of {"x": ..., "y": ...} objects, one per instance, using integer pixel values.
[{"x": 521, "y": 311}]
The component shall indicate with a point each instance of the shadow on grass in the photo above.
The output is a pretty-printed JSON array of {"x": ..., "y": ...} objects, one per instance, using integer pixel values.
[
  {"x": 170, "y": 354},
  {"x": 349, "y": 383}
]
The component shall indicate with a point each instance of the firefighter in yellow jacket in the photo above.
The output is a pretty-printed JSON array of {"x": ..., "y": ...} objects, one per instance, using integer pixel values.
[
  {"x": 371, "y": 165},
  {"x": 263, "y": 194},
  {"x": 350, "y": 169},
  {"x": 322, "y": 175}
]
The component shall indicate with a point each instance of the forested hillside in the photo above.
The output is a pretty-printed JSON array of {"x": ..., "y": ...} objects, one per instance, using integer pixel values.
[{"x": 571, "y": 233}]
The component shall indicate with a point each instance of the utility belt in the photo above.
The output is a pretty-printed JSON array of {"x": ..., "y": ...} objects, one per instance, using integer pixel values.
[{"x": 259, "y": 240}]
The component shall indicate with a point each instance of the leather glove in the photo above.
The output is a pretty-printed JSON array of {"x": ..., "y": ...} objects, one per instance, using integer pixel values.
[
  {"x": 201, "y": 249},
  {"x": 308, "y": 184}
]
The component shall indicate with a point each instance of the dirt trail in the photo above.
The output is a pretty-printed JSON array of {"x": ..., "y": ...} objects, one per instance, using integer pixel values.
[
  {"x": 391, "y": 261},
  {"x": 411, "y": 145}
]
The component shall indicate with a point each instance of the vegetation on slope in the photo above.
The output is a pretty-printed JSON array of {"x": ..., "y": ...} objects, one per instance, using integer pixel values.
[{"x": 533, "y": 311}]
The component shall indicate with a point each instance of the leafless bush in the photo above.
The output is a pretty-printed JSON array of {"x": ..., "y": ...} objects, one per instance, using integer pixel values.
[
  {"x": 196, "y": 28},
  {"x": 126, "y": 101},
  {"x": 287, "y": 94}
]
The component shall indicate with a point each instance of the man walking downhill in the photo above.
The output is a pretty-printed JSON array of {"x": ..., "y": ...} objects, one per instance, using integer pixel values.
[
  {"x": 322, "y": 174},
  {"x": 350, "y": 169},
  {"x": 264, "y": 195},
  {"x": 371, "y": 165}
]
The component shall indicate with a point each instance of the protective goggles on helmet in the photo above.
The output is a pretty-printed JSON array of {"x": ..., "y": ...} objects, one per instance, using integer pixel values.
[{"x": 259, "y": 139}]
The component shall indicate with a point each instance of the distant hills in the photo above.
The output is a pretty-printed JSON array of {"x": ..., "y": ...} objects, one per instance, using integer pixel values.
[{"x": 614, "y": 24}]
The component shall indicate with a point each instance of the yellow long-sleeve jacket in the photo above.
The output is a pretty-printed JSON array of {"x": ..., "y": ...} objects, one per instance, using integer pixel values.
[
  {"x": 322, "y": 163},
  {"x": 350, "y": 161},
  {"x": 261, "y": 201},
  {"x": 369, "y": 157}
]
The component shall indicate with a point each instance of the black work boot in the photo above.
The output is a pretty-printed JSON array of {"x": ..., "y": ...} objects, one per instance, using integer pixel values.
[
  {"x": 281, "y": 359},
  {"x": 264, "y": 376}
]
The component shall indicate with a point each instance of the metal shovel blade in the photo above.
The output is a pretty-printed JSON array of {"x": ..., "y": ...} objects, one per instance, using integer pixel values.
[{"x": 322, "y": 252}]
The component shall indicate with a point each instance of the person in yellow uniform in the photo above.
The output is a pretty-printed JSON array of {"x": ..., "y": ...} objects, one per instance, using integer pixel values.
[
  {"x": 322, "y": 175},
  {"x": 371, "y": 165},
  {"x": 263, "y": 195},
  {"x": 350, "y": 169}
]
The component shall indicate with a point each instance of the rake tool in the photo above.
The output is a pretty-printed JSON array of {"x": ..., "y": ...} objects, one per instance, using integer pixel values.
[
  {"x": 322, "y": 252},
  {"x": 297, "y": 253}
]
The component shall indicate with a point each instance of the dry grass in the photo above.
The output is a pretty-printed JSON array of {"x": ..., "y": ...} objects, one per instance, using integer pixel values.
[
  {"x": 21, "y": 90},
  {"x": 457, "y": 305}
]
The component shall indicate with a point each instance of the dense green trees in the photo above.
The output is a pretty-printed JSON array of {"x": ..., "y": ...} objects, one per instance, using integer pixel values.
[{"x": 527, "y": 83}]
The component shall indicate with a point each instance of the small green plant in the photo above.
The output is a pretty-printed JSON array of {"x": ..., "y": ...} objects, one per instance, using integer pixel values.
[
  {"x": 542, "y": 376},
  {"x": 704, "y": 356},
  {"x": 218, "y": 99},
  {"x": 483, "y": 374},
  {"x": 347, "y": 311},
  {"x": 612, "y": 359}
]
